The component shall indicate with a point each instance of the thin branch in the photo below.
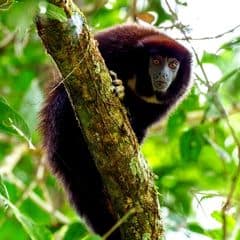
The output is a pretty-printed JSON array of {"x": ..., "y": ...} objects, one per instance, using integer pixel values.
[
  {"x": 198, "y": 117},
  {"x": 13, "y": 158},
  {"x": 119, "y": 223},
  {"x": 35, "y": 181},
  {"x": 223, "y": 113},
  {"x": 9, "y": 38},
  {"x": 93, "y": 7},
  {"x": 228, "y": 202},
  {"x": 133, "y": 10},
  {"x": 212, "y": 37},
  {"x": 37, "y": 200}
]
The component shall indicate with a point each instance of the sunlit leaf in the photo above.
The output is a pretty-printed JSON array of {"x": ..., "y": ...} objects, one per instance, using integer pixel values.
[
  {"x": 226, "y": 60},
  {"x": 211, "y": 58},
  {"x": 12, "y": 122},
  {"x": 4, "y": 193},
  {"x": 54, "y": 12},
  {"x": 35, "y": 231},
  {"x": 215, "y": 233},
  {"x": 219, "y": 150},
  {"x": 92, "y": 237},
  {"x": 191, "y": 143},
  {"x": 31, "y": 104},
  {"x": 76, "y": 231},
  {"x": 175, "y": 123},
  {"x": 191, "y": 102},
  {"x": 195, "y": 227},
  {"x": 238, "y": 235},
  {"x": 235, "y": 43},
  {"x": 229, "y": 75},
  {"x": 156, "y": 6}
]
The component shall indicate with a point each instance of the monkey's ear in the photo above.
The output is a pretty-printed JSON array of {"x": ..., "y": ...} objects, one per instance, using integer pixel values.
[
  {"x": 140, "y": 50},
  {"x": 139, "y": 44}
]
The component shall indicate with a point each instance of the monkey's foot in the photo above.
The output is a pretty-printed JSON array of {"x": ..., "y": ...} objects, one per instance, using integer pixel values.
[{"x": 117, "y": 86}]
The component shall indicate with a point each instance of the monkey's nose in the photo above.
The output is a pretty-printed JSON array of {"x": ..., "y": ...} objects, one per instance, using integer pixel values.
[
  {"x": 164, "y": 75},
  {"x": 157, "y": 75}
]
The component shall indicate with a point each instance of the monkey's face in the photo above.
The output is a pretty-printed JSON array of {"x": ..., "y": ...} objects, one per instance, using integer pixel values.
[{"x": 163, "y": 71}]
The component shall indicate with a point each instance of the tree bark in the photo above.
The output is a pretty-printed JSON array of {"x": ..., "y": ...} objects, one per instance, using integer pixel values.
[{"x": 104, "y": 122}]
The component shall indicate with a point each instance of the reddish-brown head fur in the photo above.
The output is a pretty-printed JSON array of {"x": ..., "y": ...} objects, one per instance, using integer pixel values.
[{"x": 165, "y": 45}]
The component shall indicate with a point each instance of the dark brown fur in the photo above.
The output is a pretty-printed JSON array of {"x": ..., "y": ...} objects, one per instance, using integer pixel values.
[{"x": 126, "y": 50}]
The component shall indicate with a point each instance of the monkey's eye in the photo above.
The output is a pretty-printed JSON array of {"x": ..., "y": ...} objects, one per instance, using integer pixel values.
[
  {"x": 156, "y": 61},
  {"x": 173, "y": 64}
]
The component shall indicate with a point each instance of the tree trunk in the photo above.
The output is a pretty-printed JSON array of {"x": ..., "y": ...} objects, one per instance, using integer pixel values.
[{"x": 103, "y": 121}]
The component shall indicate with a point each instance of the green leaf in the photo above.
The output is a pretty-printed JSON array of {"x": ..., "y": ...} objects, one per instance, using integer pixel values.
[
  {"x": 76, "y": 231},
  {"x": 217, "y": 216},
  {"x": 229, "y": 75},
  {"x": 226, "y": 60},
  {"x": 31, "y": 105},
  {"x": 3, "y": 192},
  {"x": 156, "y": 6},
  {"x": 234, "y": 43},
  {"x": 219, "y": 150},
  {"x": 215, "y": 233},
  {"x": 34, "y": 231},
  {"x": 3, "y": 189},
  {"x": 212, "y": 58},
  {"x": 191, "y": 144},
  {"x": 231, "y": 84},
  {"x": 238, "y": 235},
  {"x": 175, "y": 123},
  {"x": 191, "y": 102},
  {"x": 12, "y": 122},
  {"x": 195, "y": 227},
  {"x": 55, "y": 12},
  {"x": 92, "y": 237}
]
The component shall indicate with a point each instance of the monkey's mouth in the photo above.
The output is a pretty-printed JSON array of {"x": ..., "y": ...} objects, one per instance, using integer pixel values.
[{"x": 160, "y": 85}]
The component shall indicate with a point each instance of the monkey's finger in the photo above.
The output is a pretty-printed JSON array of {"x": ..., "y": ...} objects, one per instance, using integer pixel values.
[
  {"x": 119, "y": 91},
  {"x": 113, "y": 75},
  {"x": 117, "y": 82}
]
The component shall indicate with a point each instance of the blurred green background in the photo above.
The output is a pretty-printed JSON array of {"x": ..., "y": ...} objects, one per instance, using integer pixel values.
[{"x": 194, "y": 152}]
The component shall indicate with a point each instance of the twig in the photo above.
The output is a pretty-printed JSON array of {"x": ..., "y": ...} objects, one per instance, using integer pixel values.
[
  {"x": 7, "y": 40},
  {"x": 119, "y": 223},
  {"x": 219, "y": 106},
  {"x": 198, "y": 117},
  {"x": 227, "y": 204},
  {"x": 93, "y": 7},
  {"x": 12, "y": 159},
  {"x": 212, "y": 37},
  {"x": 38, "y": 177},
  {"x": 133, "y": 10},
  {"x": 36, "y": 199},
  {"x": 9, "y": 36}
]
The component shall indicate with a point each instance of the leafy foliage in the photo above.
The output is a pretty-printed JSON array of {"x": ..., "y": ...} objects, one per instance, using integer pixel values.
[
  {"x": 12, "y": 122},
  {"x": 194, "y": 153}
]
